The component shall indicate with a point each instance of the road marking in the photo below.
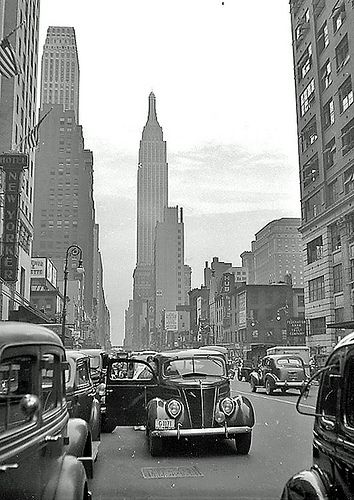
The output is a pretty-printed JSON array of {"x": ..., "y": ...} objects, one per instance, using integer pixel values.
[
  {"x": 272, "y": 398},
  {"x": 170, "y": 472}
]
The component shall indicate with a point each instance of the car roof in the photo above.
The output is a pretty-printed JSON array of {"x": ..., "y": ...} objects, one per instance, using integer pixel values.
[
  {"x": 345, "y": 341},
  {"x": 75, "y": 355},
  {"x": 187, "y": 353},
  {"x": 92, "y": 352},
  {"x": 16, "y": 333},
  {"x": 279, "y": 356}
]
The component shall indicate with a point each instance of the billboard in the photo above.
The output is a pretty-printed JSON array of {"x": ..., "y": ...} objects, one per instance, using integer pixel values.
[
  {"x": 38, "y": 267},
  {"x": 241, "y": 309},
  {"x": 171, "y": 321}
]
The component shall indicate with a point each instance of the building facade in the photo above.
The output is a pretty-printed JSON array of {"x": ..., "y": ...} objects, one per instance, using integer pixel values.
[
  {"x": 323, "y": 51},
  {"x": 18, "y": 116},
  {"x": 278, "y": 252}
]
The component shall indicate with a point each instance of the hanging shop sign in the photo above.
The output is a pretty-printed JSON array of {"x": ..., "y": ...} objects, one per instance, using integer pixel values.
[
  {"x": 19, "y": 160},
  {"x": 9, "y": 258}
]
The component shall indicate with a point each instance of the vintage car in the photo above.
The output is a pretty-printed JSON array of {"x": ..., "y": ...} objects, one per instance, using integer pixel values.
[
  {"x": 82, "y": 401},
  {"x": 279, "y": 371},
  {"x": 179, "y": 394},
  {"x": 39, "y": 445},
  {"x": 332, "y": 473},
  {"x": 244, "y": 370}
]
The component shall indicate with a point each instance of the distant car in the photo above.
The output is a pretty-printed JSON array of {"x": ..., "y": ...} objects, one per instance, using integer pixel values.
[
  {"x": 244, "y": 370},
  {"x": 83, "y": 403},
  {"x": 279, "y": 371},
  {"x": 179, "y": 394},
  {"x": 40, "y": 447},
  {"x": 332, "y": 473}
]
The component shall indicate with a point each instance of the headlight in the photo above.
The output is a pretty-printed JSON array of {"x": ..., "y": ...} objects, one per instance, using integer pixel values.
[
  {"x": 174, "y": 408},
  {"x": 227, "y": 406}
]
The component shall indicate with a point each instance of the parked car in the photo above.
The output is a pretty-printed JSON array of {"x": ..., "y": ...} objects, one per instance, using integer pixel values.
[
  {"x": 41, "y": 450},
  {"x": 83, "y": 403},
  {"x": 185, "y": 394},
  {"x": 97, "y": 364},
  {"x": 279, "y": 371},
  {"x": 332, "y": 473},
  {"x": 244, "y": 370}
]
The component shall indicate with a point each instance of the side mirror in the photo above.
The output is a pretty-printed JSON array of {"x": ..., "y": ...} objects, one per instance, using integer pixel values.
[
  {"x": 29, "y": 406},
  {"x": 231, "y": 374}
]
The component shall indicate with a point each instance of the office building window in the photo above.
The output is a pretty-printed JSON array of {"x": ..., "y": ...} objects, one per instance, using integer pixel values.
[
  {"x": 338, "y": 17},
  {"x": 349, "y": 180},
  {"x": 325, "y": 75},
  {"x": 338, "y": 278},
  {"x": 329, "y": 153},
  {"x": 316, "y": 289},
  {"x": 317, "y": 326},
  {"x": 332, "y": 192},
  {"x": 339, "y": 315},
  {"x": 305, "y": 63},
  {"x": 336, "y": 242},
  {"x": 311, "y": 170},
  {"x": 314, "y": 250},
  {"x": 322, "y": 38},
  {"x": 309, "y": 134},
  {"x": 313, "y": 206},
  {"x": 347, "y": 137},
  {"x": 351, "y": 270},
  {"x": 307, "y": 97},
  {"x": 342, "y": 53},
  {"x": 345, "y": 95},
  {"x": 328, "y": 113}
]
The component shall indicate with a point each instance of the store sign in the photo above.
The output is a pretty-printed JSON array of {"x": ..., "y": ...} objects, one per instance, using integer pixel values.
[
  {"x": 241, "y": 307},
  {"x": 171, "y": 321},
  {"x": 38, "y": 267},
  {"x": 14, "y": 160},
  {"x": 296, "y": 326},
  {"x": 9, "y": 257}
]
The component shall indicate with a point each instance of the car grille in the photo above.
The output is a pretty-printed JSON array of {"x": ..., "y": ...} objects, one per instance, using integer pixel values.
[{"x": 195, "y": 405}]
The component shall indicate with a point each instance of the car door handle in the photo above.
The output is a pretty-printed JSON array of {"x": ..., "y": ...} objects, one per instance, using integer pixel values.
[
  {"x": 3, "y": 468},
  {"x": 109, "y": 391},
  {"x": 54, "y": 439}
]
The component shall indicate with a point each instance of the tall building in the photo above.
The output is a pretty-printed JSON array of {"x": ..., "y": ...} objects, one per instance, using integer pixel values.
[
  {"x": 60, "y": 69},
  {"x": 152, "y": 199},
  {"x": 64, "y": 210},
  {"x": 18, "y": 105},
  {"x": 169, "y": 263},
  {"x": 323, "y": 50},
  {"x": 277, "y": 251}
]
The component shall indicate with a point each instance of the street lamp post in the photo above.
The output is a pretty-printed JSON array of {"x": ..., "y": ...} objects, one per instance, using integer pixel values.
[{"x": 72, "y": 250}]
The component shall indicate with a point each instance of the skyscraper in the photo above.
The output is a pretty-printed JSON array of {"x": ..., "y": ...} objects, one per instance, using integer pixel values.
[
  {"x": 323, "y": 49},
  {"x": 152, "y": 185},
  {"x": 60, "y": 69},
  {"x": 18, "y": 105}
]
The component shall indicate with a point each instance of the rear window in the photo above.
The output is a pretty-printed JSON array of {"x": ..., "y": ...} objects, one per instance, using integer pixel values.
[{"x": 289, "y": 362}]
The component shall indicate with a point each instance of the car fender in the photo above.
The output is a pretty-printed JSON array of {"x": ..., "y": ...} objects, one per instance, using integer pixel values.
[
  {"x": 78, "y": 433},
  {"x": 95, "y": 423},
  {"x": 156, "y": 408},
  {"x": 307, "y": 484},
  {"x": 72, "y": 483},
  {"x": 255, "y": 377},
  {"x": 273, "y": 378},
  {"x": 244, "y": 412}
]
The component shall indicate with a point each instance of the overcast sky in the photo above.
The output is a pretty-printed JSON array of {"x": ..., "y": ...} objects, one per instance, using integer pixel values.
[{"x": 223, "y": 80}]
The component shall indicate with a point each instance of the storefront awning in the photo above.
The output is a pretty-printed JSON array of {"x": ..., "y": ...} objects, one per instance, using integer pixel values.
[{"x": 344, "y": 325}]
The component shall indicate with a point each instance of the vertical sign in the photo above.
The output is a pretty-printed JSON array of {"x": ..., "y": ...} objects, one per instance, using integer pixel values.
[
  {"x": 171, "y": 321},
  {"x": 13, "y": 165}
]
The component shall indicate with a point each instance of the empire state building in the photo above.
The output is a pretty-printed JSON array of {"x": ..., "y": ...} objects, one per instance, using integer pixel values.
[{"x": 152, "y": 185}]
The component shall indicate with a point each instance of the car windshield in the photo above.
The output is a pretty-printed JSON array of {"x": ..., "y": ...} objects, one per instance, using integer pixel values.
[
  {"x": 209, "y": 365},
  {"x": 289, "y": 362}
]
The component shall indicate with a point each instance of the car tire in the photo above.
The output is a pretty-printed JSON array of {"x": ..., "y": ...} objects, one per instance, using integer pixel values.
[
  {"x": 268, "y": 387},
  {"x": 155, "y": 445},
  {"x": 243, "y": 443},
  {"x": 253, "y": 385}
]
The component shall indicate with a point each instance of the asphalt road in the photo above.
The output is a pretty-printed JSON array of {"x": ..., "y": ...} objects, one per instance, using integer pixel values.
[{"x": 281, "y": 446}]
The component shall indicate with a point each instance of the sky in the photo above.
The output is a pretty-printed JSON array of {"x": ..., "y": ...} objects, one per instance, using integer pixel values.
[{"x": 222, "y": 73}]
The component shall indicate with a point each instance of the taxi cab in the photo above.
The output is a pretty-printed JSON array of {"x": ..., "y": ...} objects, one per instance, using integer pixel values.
[{"x": 178, "y": 394}]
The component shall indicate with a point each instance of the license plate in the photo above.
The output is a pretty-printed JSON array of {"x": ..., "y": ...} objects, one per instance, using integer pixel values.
[{"x": 162, "y": 424}]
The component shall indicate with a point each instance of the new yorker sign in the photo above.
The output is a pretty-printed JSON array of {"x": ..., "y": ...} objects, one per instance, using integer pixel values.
[{"x": 13, "y": 164}]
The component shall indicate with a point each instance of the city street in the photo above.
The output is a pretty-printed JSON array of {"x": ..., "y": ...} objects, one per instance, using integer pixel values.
[{"x": 281, "y": 446}]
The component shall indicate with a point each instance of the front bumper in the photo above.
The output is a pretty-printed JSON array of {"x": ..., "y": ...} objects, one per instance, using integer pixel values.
[
  {"x": 285, "y": 383},
  {"x": 226, "y": 432}
]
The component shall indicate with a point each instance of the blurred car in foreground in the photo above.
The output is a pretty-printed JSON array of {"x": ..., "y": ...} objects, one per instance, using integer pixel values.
[
  {"x": 40, "y": 447},
  {"x": 279, "y": 371},
  {"x": 82, "y": 402},
  {"x": 183, "y": 394},
  {"x": 332, "y": 473}
]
